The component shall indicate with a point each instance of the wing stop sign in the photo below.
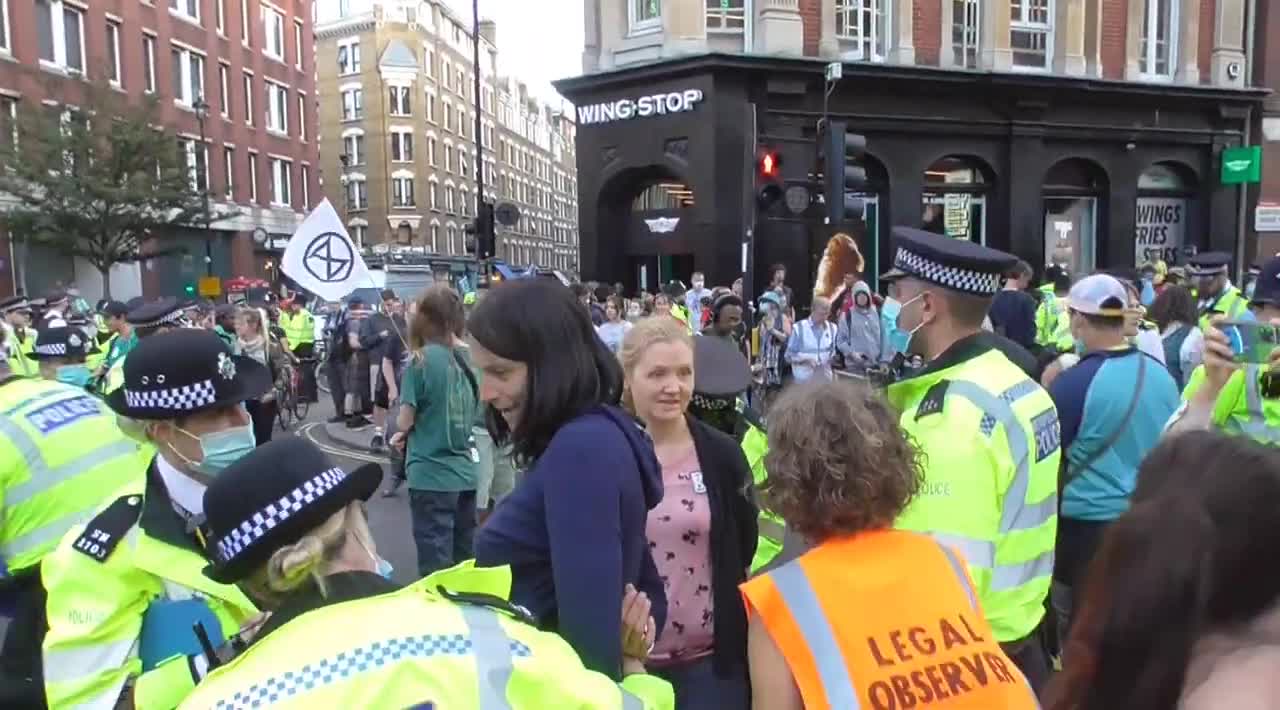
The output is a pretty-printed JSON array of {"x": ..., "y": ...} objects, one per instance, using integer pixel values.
[{"x": 1242, "y": 165}]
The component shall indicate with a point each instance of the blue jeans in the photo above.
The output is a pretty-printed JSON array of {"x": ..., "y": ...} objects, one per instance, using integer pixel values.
[
  {"x": 444, "y": 527},
  {"x": 698, "y": 688}
]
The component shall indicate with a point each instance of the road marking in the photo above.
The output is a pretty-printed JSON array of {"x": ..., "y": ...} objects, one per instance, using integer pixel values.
[{"x": 305, "y": 431}]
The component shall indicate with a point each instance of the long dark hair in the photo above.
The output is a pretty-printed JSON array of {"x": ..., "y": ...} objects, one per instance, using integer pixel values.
[
  {"x": 540, "y": 323},
  {"x": 1189, "y": 557}
]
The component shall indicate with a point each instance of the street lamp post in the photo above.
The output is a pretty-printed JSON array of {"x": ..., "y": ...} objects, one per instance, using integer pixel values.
[{"x": 202, "y": 114}]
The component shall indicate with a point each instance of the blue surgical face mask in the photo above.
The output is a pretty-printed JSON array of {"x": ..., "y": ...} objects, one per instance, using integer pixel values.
[
  {"x": 899, "y": 340},
  {"x": 220, "y": 449},
  {"x": 75, "y": 375},
  {"x": 380, "y": 564}
]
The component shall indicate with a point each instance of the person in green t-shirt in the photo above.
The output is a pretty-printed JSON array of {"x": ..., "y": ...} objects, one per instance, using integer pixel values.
[{"x": 437, "y": 408}]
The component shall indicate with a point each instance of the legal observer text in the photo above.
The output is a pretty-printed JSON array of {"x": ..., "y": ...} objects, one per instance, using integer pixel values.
[{"x": 643, "y": 107}]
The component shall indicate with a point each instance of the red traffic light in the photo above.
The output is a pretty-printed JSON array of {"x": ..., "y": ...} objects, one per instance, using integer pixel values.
[{"x": 769, "y": 164}]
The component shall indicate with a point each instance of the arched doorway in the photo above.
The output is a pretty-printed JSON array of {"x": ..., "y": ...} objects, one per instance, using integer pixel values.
[
  {"x": 954, "y": 200},
  {"x": 1166, "y": 193},
  {"x": 1074, "y": 189},
  {"x": 654, "y": 207}
]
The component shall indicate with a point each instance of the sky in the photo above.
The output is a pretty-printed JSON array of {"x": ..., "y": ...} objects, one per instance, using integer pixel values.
[{"x": 539, "y": 41}]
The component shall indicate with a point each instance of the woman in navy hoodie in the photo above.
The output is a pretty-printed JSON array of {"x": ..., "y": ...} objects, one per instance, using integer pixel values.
[{"x": 573, "y": 530}]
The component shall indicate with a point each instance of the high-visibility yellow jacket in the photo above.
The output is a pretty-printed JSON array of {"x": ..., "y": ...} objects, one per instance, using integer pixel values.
[
  {"x": 417, "y": 648},
  {"x": 299, "y": 328},
  {"x": 755, "y": 444},
  {"x": 991, "y": 441},
  {"x": 132, "y": 563},
  {"x": 1230, "y": 303},
  {"x": 1241, "y": 407},
  {"x": 61, "y": 454},
  {"x": 19, "y": 363}
]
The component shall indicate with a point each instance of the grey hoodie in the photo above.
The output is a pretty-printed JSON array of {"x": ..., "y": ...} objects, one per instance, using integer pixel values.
[{"x": 859, "y": 332}]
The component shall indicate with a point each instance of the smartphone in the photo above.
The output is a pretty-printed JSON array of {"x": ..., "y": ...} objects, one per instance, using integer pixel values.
[{"x": 1251, "y": 341}]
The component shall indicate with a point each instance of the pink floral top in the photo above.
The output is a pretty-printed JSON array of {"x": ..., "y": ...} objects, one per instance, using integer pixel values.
[{"x": 679, "y": 532}]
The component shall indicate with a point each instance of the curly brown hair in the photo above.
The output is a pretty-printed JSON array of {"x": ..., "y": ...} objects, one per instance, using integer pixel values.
[{"x": 838, "y": 462}]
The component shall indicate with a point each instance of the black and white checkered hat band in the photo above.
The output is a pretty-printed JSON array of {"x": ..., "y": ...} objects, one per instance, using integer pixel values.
[
  {"x": 251, "y": 530},
  {"x": 176, "y": 399},
  {"x": 954, "y": 278},
  {"x": 170, "y": 317},
  {"x": 51, "y": 349},
  {"x": 1206, "y": 270}
]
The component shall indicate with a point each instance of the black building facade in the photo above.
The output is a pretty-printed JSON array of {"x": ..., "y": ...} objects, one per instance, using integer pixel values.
[{"x": 1088, "y": 173}]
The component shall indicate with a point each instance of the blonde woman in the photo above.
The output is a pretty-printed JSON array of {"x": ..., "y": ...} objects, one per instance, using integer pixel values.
[
  {"x": 451, "y": 639},
  {"x": 703, "y": 533},
  {"x": 253, "y": 341}
]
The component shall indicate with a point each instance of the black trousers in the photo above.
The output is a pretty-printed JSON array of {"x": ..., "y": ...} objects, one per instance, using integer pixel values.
[
  {"x": 306, "y": 352},
  {"x": 1030, "y": 656},
  {"x": 338, "y": 385},
  {"x": 263, "y": 416},
  {"x": 21, "y": 676}
]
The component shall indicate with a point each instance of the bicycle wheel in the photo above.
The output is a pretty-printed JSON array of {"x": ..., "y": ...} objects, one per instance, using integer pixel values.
[
  {"x": 322, "y": 377},
  {"x": 301, "y": 405},
  {"x": 283, "y": 414}
]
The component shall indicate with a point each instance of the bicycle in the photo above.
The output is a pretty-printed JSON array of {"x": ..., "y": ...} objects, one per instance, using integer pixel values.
[{"x": 290, "y": 407}]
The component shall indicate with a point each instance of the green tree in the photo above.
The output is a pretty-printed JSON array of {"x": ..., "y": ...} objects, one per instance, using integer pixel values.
[{"x": 102, "y": 181}]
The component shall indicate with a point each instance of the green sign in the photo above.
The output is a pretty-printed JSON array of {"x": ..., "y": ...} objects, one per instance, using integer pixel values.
[{"x": 1242, "y": 165}]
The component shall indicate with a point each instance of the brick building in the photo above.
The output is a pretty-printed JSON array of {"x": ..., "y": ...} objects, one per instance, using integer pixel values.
[
  {"x": 250, "y": 60},
  {"x": 397, "y": 125},
  {"x": 1083, "y": 132}
]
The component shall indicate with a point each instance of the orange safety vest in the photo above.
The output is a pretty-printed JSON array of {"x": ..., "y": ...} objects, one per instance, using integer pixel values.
[{"x": 886, "y": 620}]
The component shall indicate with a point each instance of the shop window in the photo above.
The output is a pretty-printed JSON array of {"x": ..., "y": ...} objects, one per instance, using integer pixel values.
[
  {"x": 1031, "y": 33},
  {"x": 954, "y": 201},
  {"x": 1073, "y": 192},
  {"x": 1157, "y": 47},
  {"x": 1166, "y": 195},
  {"x": 862, "y": 26},
  {"x": 726, "y": 15}
]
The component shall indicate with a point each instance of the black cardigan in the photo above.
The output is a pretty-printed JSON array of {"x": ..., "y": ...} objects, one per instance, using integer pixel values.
[{"x": 727, "y": 476}]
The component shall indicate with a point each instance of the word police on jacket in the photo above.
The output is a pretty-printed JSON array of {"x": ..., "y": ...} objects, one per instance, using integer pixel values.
[{"x": 643, "y": 107}]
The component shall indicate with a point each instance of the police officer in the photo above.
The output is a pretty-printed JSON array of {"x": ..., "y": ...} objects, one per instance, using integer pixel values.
[
  {"x": 300, "y": 329},
  {"x": 1208, "y": 273},
  {"x": 1237, "y": 399},
  {"x": 60, "y": 352},
  {"x": 19, "y": 336},
  {"x": 145, "y": 320},
  {"x": 61, "y": 456},
  {"x": 989, "y": 434},
  {"x": 56, "y": 307},
  {"x": 343, "y": 635},
  {"x": 126, "y": 588}
]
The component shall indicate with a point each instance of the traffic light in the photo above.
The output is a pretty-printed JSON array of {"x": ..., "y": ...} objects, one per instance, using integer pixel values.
[
  {"x": 189, "y": 289},
  {"x": 769, "y": 183},
  {"x": 842, "y": 172},
  {"x": 483, "y": 227}
]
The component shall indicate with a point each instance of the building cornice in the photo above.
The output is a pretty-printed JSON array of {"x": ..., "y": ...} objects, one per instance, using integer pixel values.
[
  {"x": 346, "y": 26},
  {"x": 813, "y": 68}
]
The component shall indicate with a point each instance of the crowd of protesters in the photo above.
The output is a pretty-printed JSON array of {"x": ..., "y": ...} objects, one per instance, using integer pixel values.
[{"x": 986, "y": 494}]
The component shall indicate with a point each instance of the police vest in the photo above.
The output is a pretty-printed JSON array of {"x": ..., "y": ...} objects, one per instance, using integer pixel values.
[
  {"x": 299, "y": 328},
  {"x": 1229, "y": 303},
  {"x": 115, "y": 579},
  {"x": 417, "y": 648},
  {"x": 772, "y": 528},
  {"x": 1046, "y": 315},
  {"x": 924, "y": 644},
  {"x": 991, "y": 440},
  {"x": 61, "y": 455},
  {"x": 19, "y": 363},
  {"x": 1240, "y": 407}
]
